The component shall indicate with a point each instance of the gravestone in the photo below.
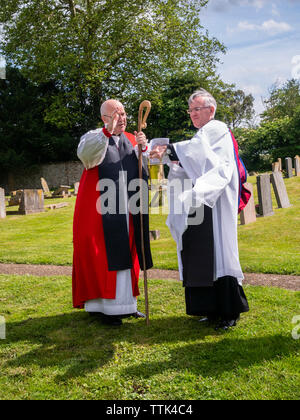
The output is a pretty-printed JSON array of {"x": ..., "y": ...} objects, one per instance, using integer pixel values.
[
  {"x": 45, "y": 187},
  {"x": 62, "y": 191},
  {"x": 32, "y": 201},
  {"x": 2, "y": 204},
  {"x": 154, "y": 235},
  {"x": 15, "y": 198},
  {"x": 76, "y": 188},
  {"x": 264, "y": 195},
  {"x": 248, "y": 214},
  {"x": 56, "y": 206},
  {"x": 289, "y": 167},
  {"x": 280, "y": 190},
  {"x": 275, "y": 167},
  {"x": 297, "y": 166},
  {"x": 280, "y": 164}
]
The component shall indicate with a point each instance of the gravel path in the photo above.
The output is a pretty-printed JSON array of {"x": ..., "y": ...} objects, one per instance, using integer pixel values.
[{"x": 254, "y": 279}]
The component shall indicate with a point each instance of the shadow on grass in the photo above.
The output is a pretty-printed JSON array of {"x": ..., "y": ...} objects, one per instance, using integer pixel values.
[{"x": 76, "y": 344}]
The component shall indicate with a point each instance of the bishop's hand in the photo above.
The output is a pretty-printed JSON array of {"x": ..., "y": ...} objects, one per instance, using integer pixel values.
[
  {"x": 114, "y": 118},
  {"x": 141, "y": 139}
]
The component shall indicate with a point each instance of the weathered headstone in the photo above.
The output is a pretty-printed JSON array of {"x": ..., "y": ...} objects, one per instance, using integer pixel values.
[
  {"x": 264, "y": 195},
  {"x": 45, "y": 187},
  {"x": 62, "y": 191},
  {"x": 15, "y": 198},
  {"x": 280, "y": 164},
  {"x": 154, "y": 235},
  {"x": 280, "y": 190},
  {"x": 248, "y": 215},
  {"x": 275, "y": 167},
  {"x": 76, "y": 188},
  {"x": 56, "y": 206},
  {"x": 289, "y": 167},
  {"x": 32, "y": 202},
  {"x": 2, "y": 204},
  {"x": 297, "y": 165}
]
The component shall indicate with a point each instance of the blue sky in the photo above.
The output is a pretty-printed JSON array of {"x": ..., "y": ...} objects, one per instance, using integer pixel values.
[{"x": 262, "y": 39}]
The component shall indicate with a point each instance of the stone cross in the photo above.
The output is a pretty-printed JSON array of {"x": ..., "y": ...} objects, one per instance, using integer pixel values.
[
  {"x": 2, "y": 204},
  {"x": 32, "y": 201},
  {"x": 297, "y": 165},
  {"x": 264, "y": 195},
  {"x": 280, "y": 190},
  {"x": 289, "y": 167},
  {"x": 248, "y": 214}
]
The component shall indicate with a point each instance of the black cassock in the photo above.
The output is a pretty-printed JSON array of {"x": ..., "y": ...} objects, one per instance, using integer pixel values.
[{"x": 224, "y": 297}]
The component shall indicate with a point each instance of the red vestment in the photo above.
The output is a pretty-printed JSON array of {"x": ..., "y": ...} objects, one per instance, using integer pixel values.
[{"x": 91, "y": 278}]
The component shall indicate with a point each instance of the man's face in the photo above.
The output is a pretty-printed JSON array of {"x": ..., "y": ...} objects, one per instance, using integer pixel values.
[
  {"x": 114, "y": 106},
  {"x": 200, "y": 113}
]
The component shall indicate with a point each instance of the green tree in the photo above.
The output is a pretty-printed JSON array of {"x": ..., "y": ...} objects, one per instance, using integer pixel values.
[
  {"x": 96, "y": 49},
  {"x": 26, "y": 139},
  {"x": 283, "y": 100},
  {"x": 235, "y": 107}
]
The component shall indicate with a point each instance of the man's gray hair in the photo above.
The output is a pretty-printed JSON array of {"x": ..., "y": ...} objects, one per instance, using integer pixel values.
[{"x": 209, "y": 99}]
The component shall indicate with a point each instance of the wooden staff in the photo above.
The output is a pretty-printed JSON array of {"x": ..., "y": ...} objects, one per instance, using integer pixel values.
[{"x": 141, "y": 126}]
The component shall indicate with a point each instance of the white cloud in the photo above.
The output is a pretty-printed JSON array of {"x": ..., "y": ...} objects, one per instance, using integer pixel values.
[
  {"x": 269, "y": 26},
  {"x": 276, "y": 27}
]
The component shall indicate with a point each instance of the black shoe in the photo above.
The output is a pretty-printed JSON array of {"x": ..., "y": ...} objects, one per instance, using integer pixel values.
[
  {"x": 111, "y": 320},
  {"x": 139, "y": 315},
  {"x": 225, "y": 324}
]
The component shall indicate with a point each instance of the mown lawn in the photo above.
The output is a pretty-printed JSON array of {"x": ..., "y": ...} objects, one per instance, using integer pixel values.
[
  {"x": 271, "y": 245},
  {"x": 52, "y": 351}
]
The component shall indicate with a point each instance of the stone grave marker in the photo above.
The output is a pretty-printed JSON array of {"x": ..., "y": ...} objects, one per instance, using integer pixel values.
[
  {"x": 76, "y": 188},
  {"x": 32, "y": 202},
  {"x": 15, "y": 198},
  {"x": 280, "y": 164},
  {"x": 248, "y": 214},
  {"x": 62, "y": 191},
  {"x": 154, "y": 235},
  {"x": 297, "y": 165},
  {"x": 280, "y": 190},
  {"x": 289, "y": 167},
  {"x": 2, "y": 204},
  {"x": 275, "y": 167},
  {"x": 264, "y": 195},
  {"x": 45, "y": 187}
]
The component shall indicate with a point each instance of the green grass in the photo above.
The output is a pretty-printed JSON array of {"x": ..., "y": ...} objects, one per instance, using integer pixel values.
[
  {"x": 52, "y": 351},
  {"x": 271, "y": 245}
]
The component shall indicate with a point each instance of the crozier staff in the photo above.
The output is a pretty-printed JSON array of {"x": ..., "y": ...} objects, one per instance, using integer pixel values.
[{"x": 107, "y": 247}]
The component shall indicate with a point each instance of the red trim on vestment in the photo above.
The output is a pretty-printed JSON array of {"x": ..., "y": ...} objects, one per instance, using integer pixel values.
[{"x": 106, "y": 132}]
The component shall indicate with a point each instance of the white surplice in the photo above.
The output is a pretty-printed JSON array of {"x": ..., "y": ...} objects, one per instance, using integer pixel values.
[{"x": 208, "y": 161}]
